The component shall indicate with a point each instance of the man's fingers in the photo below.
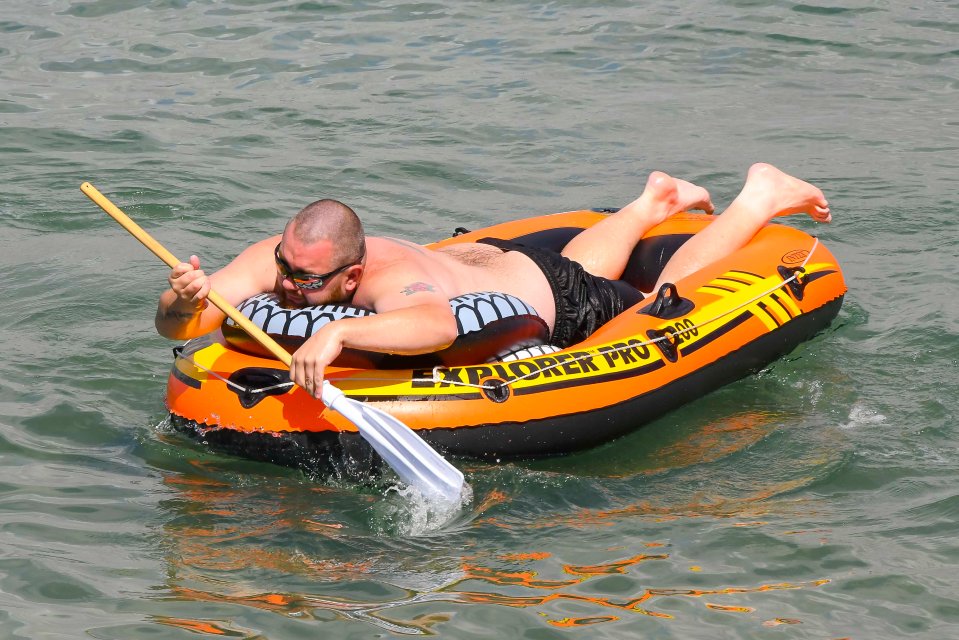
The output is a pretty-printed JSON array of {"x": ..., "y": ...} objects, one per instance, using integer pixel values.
[
  {"x": 313, "y": 375},
  {"x": 188, "y": 282},
  {"x": 180, "y": 269},
  {"x": 203, "y": 291},
  {"x": 308, "y": 374},
  {"x": 192, "y": 286},
  {"x": 318, "y": 381}
]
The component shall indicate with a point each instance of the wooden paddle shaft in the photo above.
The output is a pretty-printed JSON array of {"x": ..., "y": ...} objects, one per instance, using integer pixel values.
[{"x": 160, "y": 251}]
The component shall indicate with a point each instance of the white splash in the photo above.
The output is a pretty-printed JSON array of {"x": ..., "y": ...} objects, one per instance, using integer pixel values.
[
  {"x": 408, "y": 512},
  {"x": 812, "y": 388},
  {"x": 862, "y": 416}
]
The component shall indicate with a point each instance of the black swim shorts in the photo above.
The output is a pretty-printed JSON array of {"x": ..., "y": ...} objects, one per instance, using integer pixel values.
[{"x": 584, "y": 302}]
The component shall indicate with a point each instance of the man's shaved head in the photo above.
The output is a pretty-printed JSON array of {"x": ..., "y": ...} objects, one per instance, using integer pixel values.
[{"x": 334, "y": 221}]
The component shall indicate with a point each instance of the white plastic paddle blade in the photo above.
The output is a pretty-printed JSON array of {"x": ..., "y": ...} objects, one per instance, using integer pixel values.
[{"x": 414, "y": 461}]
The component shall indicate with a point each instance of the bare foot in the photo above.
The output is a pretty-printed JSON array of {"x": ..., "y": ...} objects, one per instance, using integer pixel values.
[
  {"x": 692, "y": 196},
  {"x": 770, "y": 193},
  {"x": 665, "y": 196}
]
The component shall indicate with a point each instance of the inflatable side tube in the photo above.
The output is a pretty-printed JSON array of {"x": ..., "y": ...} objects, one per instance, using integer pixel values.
[{"x": 491, "y": 326}]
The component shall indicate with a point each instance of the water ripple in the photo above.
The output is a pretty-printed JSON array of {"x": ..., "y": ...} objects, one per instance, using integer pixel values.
[{"x": 816, "y": 496}]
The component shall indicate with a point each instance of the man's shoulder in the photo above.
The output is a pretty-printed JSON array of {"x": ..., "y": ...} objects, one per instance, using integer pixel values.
[
  {"x": 249, "y": 273},
  {"x": 393, "y": 264},
  {"x": 394, "y": 247}
]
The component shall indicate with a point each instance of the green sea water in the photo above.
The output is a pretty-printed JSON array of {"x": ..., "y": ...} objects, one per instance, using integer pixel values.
[{"x": 816, "y": 499}]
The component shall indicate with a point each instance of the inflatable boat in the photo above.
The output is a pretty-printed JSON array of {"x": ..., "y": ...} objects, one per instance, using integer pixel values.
[{"x": 501, "y": 391}]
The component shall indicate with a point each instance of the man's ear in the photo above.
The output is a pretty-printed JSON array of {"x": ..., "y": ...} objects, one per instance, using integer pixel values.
[{"x": 353, "y": 276}]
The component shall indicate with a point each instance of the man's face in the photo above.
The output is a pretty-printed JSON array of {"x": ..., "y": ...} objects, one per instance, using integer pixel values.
[{"x": 307, "y": 275}]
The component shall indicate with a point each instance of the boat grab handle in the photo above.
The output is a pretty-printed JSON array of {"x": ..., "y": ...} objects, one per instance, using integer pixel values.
[{"x": 668, "y": 304}]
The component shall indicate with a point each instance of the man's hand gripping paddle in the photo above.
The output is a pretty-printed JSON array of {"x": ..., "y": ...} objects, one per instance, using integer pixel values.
[{"x": 415, "y": 462}]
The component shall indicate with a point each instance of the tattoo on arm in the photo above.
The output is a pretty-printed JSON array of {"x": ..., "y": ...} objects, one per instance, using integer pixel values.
[
  {"x": 177, "y": 315},
  {"x": 417, "y": 287},
  {"x": 180, "y": 316}
]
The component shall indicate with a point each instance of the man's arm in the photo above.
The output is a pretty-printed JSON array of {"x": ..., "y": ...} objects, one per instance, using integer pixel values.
[
  {"x": 412, "y": 317},
  {"x": 183, "y": 311}
]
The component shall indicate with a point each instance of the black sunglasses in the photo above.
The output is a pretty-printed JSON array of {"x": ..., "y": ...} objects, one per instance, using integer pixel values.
[{"x": 302, "y": 280}]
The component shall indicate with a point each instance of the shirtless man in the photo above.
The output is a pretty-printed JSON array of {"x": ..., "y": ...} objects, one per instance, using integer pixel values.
[{"x": 323, "y": 257}]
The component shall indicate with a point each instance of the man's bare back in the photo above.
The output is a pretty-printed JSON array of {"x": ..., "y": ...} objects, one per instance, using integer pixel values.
[{"x": 454, "y": 271}]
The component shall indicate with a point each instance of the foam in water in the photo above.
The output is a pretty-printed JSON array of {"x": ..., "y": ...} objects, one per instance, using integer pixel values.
[
  {"x": 860, "y": 416},
  {"x": 408, "y": 512}
]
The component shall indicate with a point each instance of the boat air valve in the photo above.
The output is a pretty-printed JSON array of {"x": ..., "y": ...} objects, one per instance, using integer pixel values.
[
  {"x": 796, "y": 285},
  {"x": 668, "y": 304},
  {"x": 496, "y": 390}
]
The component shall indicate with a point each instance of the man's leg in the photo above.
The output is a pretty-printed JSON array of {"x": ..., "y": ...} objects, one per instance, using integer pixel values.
[
  {"x": 604, "y": 248},
  {"x": 767, "y": 193}
]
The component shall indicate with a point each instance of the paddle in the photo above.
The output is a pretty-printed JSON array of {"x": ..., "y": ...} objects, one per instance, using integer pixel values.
[{"x": 415, "y": 462}]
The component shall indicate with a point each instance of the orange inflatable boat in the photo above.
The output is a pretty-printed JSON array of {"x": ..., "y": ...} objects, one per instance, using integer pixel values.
[{"x": 501, "y": 392}]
